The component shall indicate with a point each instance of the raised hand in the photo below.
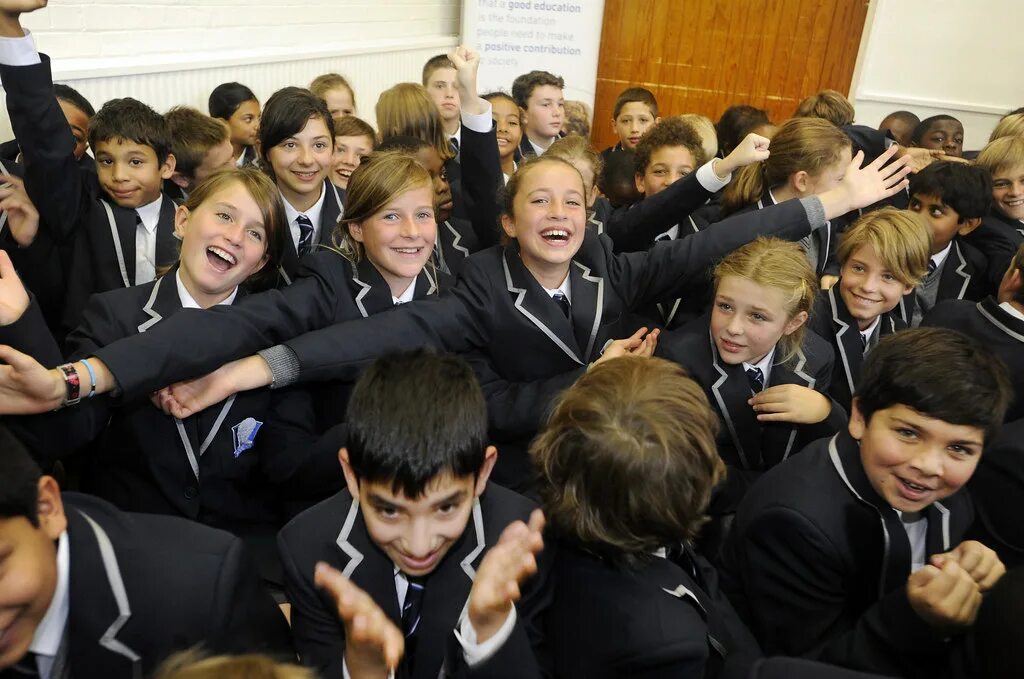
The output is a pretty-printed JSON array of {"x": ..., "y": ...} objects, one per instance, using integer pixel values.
[
  {"x": 22, "y": 216},
  {"x": 13, "y": 296},
  {"x": 467, "y": 64},
  {"x": 10, "y": 10},
  {"x": 373, "y": 644},
  {"x": 497, "y": 583},
  {"x": 752, "y": 149},
  {"x": 863, "y": 186},
  {"x": 26, "y": 387}
]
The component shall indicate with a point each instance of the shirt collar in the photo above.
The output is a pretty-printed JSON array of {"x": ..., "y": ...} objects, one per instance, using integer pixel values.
[
  {"x": 765, "y": 364},
  {"x": 408, "y": 295},
  {"x": 189, "y": 302},
  {"x": 313, "y": 213},
  {"x": 1012, "y": 310},
  {"x": 940, "y": 257},
  {"x": 457, "y": 136},
  {"x": 150, "y": 214},
  {"x": 537, "y": 149},
  {"x": 870, "y": 330},
  {"x": 565, "y": 288},
  {"x": 47, "y": 638}
]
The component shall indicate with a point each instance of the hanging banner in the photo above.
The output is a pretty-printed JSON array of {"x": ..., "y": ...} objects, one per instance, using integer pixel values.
[{"x": 518, "y": 36}]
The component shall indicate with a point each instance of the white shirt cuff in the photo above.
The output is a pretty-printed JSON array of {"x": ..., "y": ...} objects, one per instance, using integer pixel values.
[
  {"x": 478, "y": 122},
  {"x": 19, "y": 51},
  {"x": 709, "y": 180},
  {"x": 476, "y": 653}
]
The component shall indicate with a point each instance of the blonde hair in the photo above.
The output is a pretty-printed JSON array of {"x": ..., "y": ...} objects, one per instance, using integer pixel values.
[
  {"x": 809, "y": 144},
  {"x": 577, "y": 118},
  {"x": 192, "y": 664},
  {"x": 705, "y": 129},
  {"x": 407, "y": 110},
  {"x": 899, "y": 239},
  {"x": 628, "y": 459},
  {"x": 322, "y": 84},
  {"x": 1010, "y": 126},
  {"x": 828, "y": 105},
  {"x": 380, "y": 177},
  {"x": 1005, "y": 153},
  {"x": 576, "y": 148},
  {"x": 779, "y": 264}
]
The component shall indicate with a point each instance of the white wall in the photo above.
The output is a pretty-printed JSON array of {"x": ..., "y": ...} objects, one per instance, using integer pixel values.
[
  {"x": 174, "y": 52},
  {"x": 960, "y": 57}
]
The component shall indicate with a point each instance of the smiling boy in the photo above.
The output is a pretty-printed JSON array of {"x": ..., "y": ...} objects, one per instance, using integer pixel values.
[
  {"x": 414, "y": 523},
  {"x": 851, "y": 552}
]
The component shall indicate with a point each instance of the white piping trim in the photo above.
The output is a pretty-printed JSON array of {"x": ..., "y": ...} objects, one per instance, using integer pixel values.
[{"x": 117, "y": 243}]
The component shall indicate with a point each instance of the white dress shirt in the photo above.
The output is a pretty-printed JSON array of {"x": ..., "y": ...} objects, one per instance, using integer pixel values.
[
  {"x": 145, "y": 241},
  {"x": 189, "y": 302},
  {"x": 765, "y": 364},
  {"x": 565, "y": 287},
  {"x": 46, "y": 641},
  {"x": 406, "y": 296},
  {"x": 312, "y": 213}
]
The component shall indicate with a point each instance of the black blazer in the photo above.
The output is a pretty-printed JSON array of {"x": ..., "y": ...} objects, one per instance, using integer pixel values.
[
  {"x": 334, "y": 531},
  {"x": 817, "y": 564},
  {"x": 658, "y": 621},
  {"x": 994, "y": 327},
  {"x": 747, "y": 446},
  {"x": 963, "y": 276},
  {"x": 998, "y": 239},
  {"x": 332, "y": 210},
  {"x": 147, "y": 461},
  {"x": 165, "y": 585},
  {"x": 633, "y": 228},
  {"x": 831, "y": 320},
  {"x": 997, "y": 488},
  {"x": 478, "y": 178}
]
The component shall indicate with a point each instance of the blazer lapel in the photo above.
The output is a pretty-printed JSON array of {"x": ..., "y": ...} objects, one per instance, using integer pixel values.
[
  {"x": 781, "y": 436},
  {"x": 587, "y": 307},
  {"x": 121, "y": 223},
  {"x": 99, "y": 603},
  {"x": 851, "y": 351},
  {"x": 426, "y": 284},
  {"x": 1012, "y": 326},
  {"x": 372, "y": 294},
  {"x": 955, "y": 276},
  {"x": 937, "y": 539},
  {"x": 536, "y": 306},
  {"x": 166, "y": 242},
  {"x": 332, "y": 211},
  {"x": 731, "y": 390},
  {"x": 367, "y": 566}
]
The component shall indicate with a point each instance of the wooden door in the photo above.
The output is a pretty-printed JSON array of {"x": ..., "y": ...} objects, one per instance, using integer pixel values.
[{"x": 702, "y": 56}]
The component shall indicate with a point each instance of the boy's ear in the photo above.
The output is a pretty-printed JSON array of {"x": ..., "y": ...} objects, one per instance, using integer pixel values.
[
  {"x": 50, "y": 507},
  {"x": 350, "y": 476},
  {"x": 857, "y": 424},
  {"x": 167, "y": 169},
  {"x": 490, "y": 457},
  {"x": 180, "y": 219},
  {"x": 968, "y": 226},
  {"x": 795, "y": 323},
  {"x": 180, "y": 180},
  {"x": 657, "y": 119},
  {"x": 1010, "y": 285},
  {"x": 638, "y": 179}
]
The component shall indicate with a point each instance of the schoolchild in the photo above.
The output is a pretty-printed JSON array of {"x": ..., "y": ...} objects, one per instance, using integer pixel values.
[
  {"x": 828, "y": 105},
  {"x": 635, "y": 112},
  {"x": 201, "y": 146},
  {"x": 616, "y": 181},
  {"x": 951, "y": 198},
  {"x": 736, "y": 123},
  {"x": 336, "y": 93},
  {"x": 419, "y": 533},
  {"x": 705, "y": 129},
  {"x": 439, "y": 79},
  {"x": 589, "y": 164},
  {"x": 81, "y": 582},
  {"x": 236, "y": 105},
  {"x": 78, "y": 112},
  {"x": 900, "y": 124},
  {"x": 882, "y": 257},
  {"x": 764, "y": 373},
  {"x": 538, "y": 94},
  {"x": 508, "y": 129},
  {"x": 853, "y": 551},
  {"x": 1004, "y": 159},
  {"x": 353, "y": 139},
  {"x": 940, "y": 133}
]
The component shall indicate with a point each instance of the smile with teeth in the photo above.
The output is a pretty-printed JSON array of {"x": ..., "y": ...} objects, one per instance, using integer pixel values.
[
  {"x": 1015, "y": 203},
  {"x": 408, "y": 251},
  {"x": 917, "y": 488},
  {"x": 864, "y": 300},
  {"x": 559, "y": 235},
  {"x": 305, "y": 176},
  {"x": 222, "y": 254}
]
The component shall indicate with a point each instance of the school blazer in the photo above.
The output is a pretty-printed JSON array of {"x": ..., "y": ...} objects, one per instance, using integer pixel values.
[
  {"x": 328, "y": 289},
  {"x": 475, "y": 180},
  {"x": 831, "y": 320},
  {"x": 456, "y": 240},
  {"x": 997, "y": 487},
  {"x": 657, "y": 620},
  {"x": 963, "y": 276},
  {"x": 330, "y": 213},
  {"x": 998, "y": 239},
  {"x": 997, "y": 329},
  {"x": 334, "y": 531},
  {"x": 747, "y": 446},
  {"x": 142, "y": 587},
  {"x": 817, "y": 565},
  {"x": 633, "y": 228},
  {"x": 150, "y": 462}
]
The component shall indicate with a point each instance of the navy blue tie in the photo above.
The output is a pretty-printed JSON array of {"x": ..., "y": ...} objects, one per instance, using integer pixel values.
[
  {"x": 305, "y": 235},
  {"x": 562, "y": 301},
  {"x": 756, "y": 378}
]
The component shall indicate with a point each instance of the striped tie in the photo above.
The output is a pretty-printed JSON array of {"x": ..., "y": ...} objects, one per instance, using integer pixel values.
[
  {"x": 305, "y": 235},
  {"x": 756, "y": 378}
]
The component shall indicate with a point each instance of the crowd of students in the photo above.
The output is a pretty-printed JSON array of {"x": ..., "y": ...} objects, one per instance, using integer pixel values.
[{"x": 462, "y": 396}]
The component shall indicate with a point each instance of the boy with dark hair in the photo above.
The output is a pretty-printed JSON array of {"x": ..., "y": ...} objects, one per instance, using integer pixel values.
[
  {"x": 439, "y": 78},
  {"x": 617, "y": 181},
  {"x": 538, "y": 94},
  {"x": 635, "y": 112},
  {"x": 951, "y": 198},
  {"x": 900, "y": 124},
  {"x": 89, "y": 590},
  {"x": 412, "y": 526},
  {"x": 125, "y": 234},
  {"x": 940, "y": 133},
  {"x": 201, "y": 146},
  {"x": 78, "y": 112},
  {"x": 851, "y": 552}
]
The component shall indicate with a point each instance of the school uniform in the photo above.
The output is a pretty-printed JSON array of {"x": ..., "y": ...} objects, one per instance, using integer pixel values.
[
  {"x": 997, "y": 488},
  {"x": 959, "y": 272},
  {"x": 135, "y": 588},
  {"x": 335, "y": 531},
  {"x": 600, "y": 214},
  {"x": 528, "y": 149},
  {"x": 817, "y": 564},
  {"x": 607, "y": 153},
  {"x": 999, "y": 327},
  {"x": 831, "y": 320},
  {"x": 998, "y": 238},
  {"x": 749, "y": 447},
  {"x": 178, "y": 194},
  {"x": 247, "y": 157},
  {"x": 323, "y": 215},
  {"x": 212, "y": 467},
  {"x": 665, "y": 619},
  {"x": 104, "y": 235}
]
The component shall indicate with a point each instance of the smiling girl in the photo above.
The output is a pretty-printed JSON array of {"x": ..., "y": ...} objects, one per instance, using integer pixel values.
[{"x": 237, "y": 106}]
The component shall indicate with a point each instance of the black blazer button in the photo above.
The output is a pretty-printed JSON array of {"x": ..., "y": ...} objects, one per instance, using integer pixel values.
[{"x": 191, "y": 492}]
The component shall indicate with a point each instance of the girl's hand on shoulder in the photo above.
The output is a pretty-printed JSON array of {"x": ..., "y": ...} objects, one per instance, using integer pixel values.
[
  {"x": 752, "y": 149},
  {"x": 13, "y": 296},
  {"x": 791, "y": 403}
]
